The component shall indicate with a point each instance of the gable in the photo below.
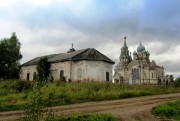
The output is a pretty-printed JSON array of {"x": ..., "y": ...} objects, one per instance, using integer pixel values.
[
  {"x": 94, "y": 55},
  {"x": 133, "y": 63}
]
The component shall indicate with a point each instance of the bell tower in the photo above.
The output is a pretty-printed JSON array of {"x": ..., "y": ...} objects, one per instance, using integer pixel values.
[{"x": 125, "y": 56}]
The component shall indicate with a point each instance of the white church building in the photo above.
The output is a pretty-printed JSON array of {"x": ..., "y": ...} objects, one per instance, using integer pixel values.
[
  {"x": 138, "y": 68},
  {"x": 75, "y": 65}
]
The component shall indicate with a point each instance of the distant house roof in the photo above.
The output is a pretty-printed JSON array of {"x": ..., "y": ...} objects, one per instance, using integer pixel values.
[{"x": 84, "y": 54}]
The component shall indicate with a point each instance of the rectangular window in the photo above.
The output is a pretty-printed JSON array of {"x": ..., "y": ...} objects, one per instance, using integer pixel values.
[
  {"x": 107, "y": 76},
  {"x": 61, "y": 73},
  {"x": 28, "y": 75},
  {"x": 152, "y": 75}
]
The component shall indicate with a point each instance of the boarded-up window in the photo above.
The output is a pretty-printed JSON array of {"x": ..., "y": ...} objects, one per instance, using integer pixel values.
[{"x": 107, "y": 76}]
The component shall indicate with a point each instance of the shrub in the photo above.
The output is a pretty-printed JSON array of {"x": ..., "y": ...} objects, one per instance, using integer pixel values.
[
  {"x": 177, "y": 83},
  {"x": 36, "y": 107},
  {"x": 22, "y": 85}
]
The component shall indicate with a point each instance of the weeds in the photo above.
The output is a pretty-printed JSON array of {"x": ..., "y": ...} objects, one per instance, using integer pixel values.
[
  {"x": 168, "y": 110},
  {"x": 68, "y": 93}
]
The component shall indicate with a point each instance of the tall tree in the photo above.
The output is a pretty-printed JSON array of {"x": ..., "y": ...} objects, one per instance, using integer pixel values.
[
  {"x": 3, "y": 58},
  {"x": 9, "y": 57}
]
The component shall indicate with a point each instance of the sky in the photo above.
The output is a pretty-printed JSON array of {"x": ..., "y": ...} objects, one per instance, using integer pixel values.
[{"x": 50, "y": 26}]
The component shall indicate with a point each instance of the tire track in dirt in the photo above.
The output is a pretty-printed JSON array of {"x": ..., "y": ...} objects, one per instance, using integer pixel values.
[{"x": 124, "y": 109}]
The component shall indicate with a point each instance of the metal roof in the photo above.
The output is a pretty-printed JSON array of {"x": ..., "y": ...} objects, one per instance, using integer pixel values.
[{"x": 84, "y": 54}]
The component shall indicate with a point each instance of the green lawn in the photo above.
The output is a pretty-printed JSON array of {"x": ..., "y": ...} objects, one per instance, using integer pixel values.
[{"x": 13, "y": 94}]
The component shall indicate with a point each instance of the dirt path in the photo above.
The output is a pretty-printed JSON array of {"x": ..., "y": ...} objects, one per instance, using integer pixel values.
[{"x": 131, "y": 109}]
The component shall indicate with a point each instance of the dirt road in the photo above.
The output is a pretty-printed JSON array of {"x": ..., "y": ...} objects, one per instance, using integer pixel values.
[{"x": 131, "y": 109}]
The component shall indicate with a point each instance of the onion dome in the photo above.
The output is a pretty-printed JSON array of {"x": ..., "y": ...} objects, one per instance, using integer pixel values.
[{"x": 140, "y": 48}]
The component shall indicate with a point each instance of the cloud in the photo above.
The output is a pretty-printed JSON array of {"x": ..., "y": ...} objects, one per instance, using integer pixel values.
[{"x": 46, "y": 26}]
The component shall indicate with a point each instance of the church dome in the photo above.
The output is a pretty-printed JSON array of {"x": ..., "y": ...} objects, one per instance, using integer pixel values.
[{"x": 140, "y": 48}]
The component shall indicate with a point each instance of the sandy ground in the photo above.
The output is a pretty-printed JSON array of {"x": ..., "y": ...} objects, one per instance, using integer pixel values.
[{"x": 130, "y": 109}]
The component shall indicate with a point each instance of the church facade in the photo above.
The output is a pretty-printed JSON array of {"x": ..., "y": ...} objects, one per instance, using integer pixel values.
[{"x": 137, "y": 68}]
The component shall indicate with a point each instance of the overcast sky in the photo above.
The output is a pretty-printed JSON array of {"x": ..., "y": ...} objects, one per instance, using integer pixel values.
[{"x": 50, "y": 26}]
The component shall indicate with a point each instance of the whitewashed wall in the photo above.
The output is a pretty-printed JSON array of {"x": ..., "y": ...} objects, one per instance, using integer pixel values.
[
  {"x": 57, "y": 67},
  {"x": 27, "y": 69},
  {"x": 91, "y": 71},
  {"x": 76, "y": 71}
]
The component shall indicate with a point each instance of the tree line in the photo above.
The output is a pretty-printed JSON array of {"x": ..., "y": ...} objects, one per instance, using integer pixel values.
[{"x": 10, "y": 56}]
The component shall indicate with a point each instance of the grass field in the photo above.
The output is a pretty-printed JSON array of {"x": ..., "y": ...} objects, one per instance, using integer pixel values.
[
  {"x": 169, "y": 110},
  {"x": 13, "y": 94}
]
